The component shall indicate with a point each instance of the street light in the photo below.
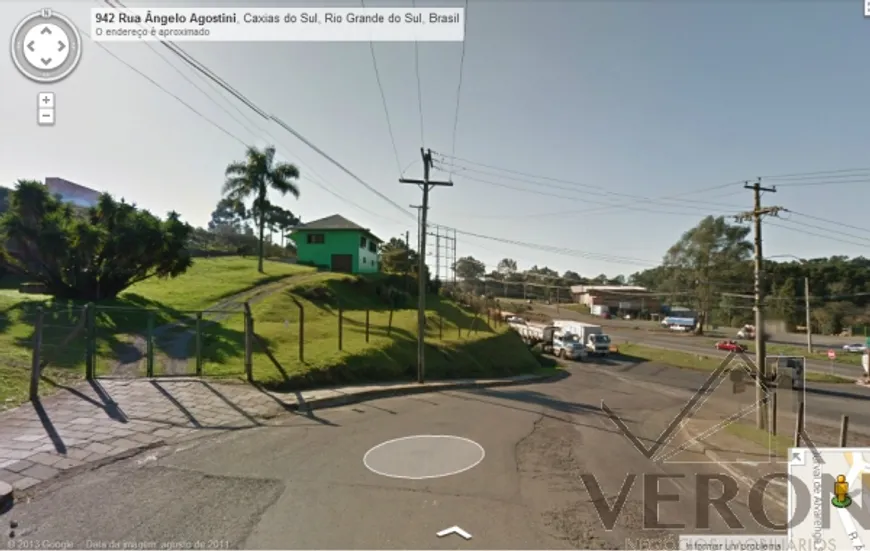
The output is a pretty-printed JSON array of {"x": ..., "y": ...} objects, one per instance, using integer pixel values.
[{"x": 806, "y": 299}]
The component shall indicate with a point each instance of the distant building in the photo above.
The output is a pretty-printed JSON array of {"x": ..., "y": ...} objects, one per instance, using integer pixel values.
[
  {"x": 335, "y": 243},
  {"x": 627, "y": 299},
  {"x": 70, "y": 192}
]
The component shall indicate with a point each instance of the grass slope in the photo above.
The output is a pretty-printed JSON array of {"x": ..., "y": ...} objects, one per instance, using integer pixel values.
[
  {"x": 208, "y": 282},
  {"x": 388, "y": 355}
]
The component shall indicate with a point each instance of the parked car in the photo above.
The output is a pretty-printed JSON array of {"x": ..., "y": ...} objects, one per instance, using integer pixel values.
[
  {"x": 516, "y": 320},
  {"x": 859, "y": 348},
  {"x": 730, "y": 346}
]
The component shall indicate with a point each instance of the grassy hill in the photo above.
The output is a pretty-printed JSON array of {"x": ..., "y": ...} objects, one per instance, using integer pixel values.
[
  {"x": 459, "y": 344},
  {"x": 207, "y": 283},
  {"x": 391, "y": 351}
]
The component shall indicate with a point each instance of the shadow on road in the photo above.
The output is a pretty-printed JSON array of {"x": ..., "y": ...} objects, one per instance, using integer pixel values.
[{"x": 502, "y": 398}]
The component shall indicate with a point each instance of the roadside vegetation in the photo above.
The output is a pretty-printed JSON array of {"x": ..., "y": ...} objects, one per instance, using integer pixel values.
[
  {"x": 459, "y": 342},
  {"x": 777, "y": 443}
]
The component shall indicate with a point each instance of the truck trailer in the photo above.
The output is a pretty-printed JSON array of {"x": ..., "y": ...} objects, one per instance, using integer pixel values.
[
  {"x": 553, "y": 340},
  {"x": 591, "y": 335}
]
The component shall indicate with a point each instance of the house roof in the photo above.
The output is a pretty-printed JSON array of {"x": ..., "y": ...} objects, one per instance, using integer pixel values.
[{"x": 336, "y": 222}]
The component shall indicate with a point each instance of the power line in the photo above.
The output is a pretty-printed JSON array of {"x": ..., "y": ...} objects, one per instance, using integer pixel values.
[
  {"x": 821, "y": 228},
  {"x": 190, "y": 60},
  {"x": 218, "y": 126},
  {"x": 825, "y": 183},
  {"x": 419, "y": 85},
  {"x": 580, "y": 199},
  {"x": 384, "y": 101},
  {"x": 575, "y": 184},
  {"x": 828, "y": 221},
  {"x": 575, "y": 212},
  {"x": 459, "y": 86},
  {"x": 822, "y": 173},
  {"x": 563, "y": 251},
  {"x": 166, "y": 91},
  {"x": 797, "y": 230}
]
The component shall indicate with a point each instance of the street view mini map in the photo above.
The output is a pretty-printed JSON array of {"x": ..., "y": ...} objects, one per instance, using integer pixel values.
[{"x": 829, "y": 498}]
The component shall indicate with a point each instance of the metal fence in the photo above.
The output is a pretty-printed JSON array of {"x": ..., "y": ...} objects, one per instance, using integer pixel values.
[{"x": 129, "y": 342}]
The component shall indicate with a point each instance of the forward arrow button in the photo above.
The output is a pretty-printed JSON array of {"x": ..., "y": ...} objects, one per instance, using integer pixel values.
[{"x": 454, "y": 530}]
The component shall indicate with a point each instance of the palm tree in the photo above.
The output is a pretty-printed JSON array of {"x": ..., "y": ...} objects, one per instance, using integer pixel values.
[{"x": 253, "y": 178}]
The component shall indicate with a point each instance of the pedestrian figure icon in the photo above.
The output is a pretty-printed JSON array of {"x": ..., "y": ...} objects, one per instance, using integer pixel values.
[{"x": 841, "y": 497}]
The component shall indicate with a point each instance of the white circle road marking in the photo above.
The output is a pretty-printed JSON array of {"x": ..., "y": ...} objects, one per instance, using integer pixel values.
[{"x": 424, "y": 456}]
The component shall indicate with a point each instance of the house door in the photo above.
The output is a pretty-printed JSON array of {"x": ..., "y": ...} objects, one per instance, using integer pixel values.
[{"x": 342, "y": 263}]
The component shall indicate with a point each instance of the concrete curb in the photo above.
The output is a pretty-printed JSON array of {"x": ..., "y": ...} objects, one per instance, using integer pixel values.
[
  {"x": 701, "y": 446},
  {"x": 378, "y": 393}
]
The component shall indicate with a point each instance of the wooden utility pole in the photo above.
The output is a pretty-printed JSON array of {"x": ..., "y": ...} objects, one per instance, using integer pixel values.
[
  {"x": 809, "y": 318},
  {"x": 756, "y": 215},
  {"x": 407, "y": 257},
  {"x": 426, "y": 185}
]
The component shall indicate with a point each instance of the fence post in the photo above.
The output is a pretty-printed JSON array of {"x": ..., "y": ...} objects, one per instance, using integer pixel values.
[
  {"x": 149, "y": 345},
  {"x": 844, "y": 429},
  {"x": 340, "y": 326},
  {"x": 198, "y": 344},
  {"x": 36, "y": 366},
  {"x": 249, "y": 343},
  {"x": 773, "y": 413},
  {"x": 390, "y": 323},
  {"x": 367, "y": 324},
  {"x": 799, "y": 425},
  {"x": 90, "y": 341},
  {"x": 301, "y": 332}
]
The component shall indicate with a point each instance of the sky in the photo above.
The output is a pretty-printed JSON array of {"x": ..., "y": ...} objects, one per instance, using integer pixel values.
[{"x": 603, "y": 107}]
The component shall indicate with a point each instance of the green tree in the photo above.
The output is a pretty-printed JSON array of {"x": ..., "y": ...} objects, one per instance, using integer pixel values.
[
  {"x": 397, "y": 257},
  {"x": 469, "y": 269},
  {"x": 782, "y": 302},
  {"x": 507, "y": 267},
  {"x": 253, "y": 178},
  {"x": 228, "y": 217},
  {"x": 90, "y": 253},
  {"x": 705, "y": 261}
]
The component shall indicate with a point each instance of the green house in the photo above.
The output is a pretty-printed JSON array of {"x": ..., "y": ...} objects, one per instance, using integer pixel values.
[{"x": 335, "y": 243}]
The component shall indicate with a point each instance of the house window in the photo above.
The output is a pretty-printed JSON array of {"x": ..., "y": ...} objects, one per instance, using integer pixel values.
[
  {"x": 316, "y": 239},
  {"x": 364, "y": 261},
  {"x": 373, "y": 247},
  {"x": 362, "y": 242}
]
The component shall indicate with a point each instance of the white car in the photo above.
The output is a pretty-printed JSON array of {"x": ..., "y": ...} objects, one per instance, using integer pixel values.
[{"x": 855, "y": 348}]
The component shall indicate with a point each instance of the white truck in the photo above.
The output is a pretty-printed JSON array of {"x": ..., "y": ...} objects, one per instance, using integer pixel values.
[
  {"x": 592, "y": 336},
  {"x": 552, "y": 339}
]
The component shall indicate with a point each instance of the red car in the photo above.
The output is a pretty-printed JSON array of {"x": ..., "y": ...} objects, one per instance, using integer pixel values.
[{"x": 730, "y": 346}]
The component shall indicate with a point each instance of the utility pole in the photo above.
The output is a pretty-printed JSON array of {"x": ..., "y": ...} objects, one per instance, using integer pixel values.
[
  {"x": 437, "y": 252},
  {"x": 407, "y": 257},
  {"x": 426, "y": 185},
  {"x": 453, "y": 263},
  {"x": 756, "y": 215},
  {"x": 809, "y": 320}
]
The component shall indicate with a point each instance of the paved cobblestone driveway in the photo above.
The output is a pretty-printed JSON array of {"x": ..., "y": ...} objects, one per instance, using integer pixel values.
[{"x": 93, "y": 422}]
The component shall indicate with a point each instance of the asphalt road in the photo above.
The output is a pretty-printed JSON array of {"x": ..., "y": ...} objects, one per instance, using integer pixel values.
[
  {"x": 623, "y": 331},
  {"x": 798, "y": 339},
  {"x": 304, "y": 484},
  {"x": 686, "y": 343},
  {"x": 825, "y": 403}
]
